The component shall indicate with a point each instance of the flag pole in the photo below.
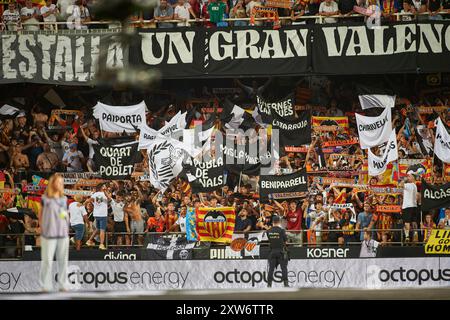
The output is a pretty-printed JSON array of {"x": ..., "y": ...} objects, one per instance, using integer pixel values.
[{"x": 240, "y": 178}]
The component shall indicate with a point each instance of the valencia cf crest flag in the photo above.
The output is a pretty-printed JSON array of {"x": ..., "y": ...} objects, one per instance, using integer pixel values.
[{"x": 215, "y": 224}]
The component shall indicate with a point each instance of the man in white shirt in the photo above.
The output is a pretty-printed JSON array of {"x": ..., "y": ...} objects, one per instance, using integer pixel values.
[
  {"x": 368, "y": 246},
  {"x": 409, "y": 205},
  {"x": 120, "y": 218},
  {"x": 329, "y": 8},
  {"x": 100, "y": 201},
  {"x": 29, "y": 16},
  {"x": 11, "y": 17},
  {"x": 181, "y": 222},
  {"x": 317, "y": 217},
  {"x": 73, "y": 159},
  {"x": 78, "y": 218},
  {"x": 49, "y": 12},
  {"x": 182, "y": 12}
]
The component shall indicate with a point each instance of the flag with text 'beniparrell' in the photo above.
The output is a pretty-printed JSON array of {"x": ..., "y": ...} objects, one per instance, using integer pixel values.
[{"x": 215, "y": 224}]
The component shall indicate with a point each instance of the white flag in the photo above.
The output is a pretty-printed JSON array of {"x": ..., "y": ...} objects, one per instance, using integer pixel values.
[
  {"x": 120, "y": 118},
  {"x": 166, "y": 161},
  {"x": 378, "y": 165},
  {"x": 374, "y": 131},
  {"x": 237, "y": 119},
  {"x": 368, "y": 101},
  {"x": 190, "y": 143},
  {"x": 178, "y": 122},
  {"x": 251, "y": 248},
  {"x": 148, "y": 137},
  {"x": 442, "y": 142},
  {"x": 8, "y": 110},
  {"x": 174, "y": 129}
]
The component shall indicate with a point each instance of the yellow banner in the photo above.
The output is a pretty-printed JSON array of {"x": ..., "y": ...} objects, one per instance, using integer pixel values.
[{"x": 438, "y": 242}]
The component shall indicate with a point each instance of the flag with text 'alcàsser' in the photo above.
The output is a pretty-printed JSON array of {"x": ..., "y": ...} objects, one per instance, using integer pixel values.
[{"x": 215, "y": 224}]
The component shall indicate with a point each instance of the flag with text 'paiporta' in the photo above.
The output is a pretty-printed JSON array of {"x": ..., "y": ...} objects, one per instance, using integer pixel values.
[{"x": 215, "y": 224}]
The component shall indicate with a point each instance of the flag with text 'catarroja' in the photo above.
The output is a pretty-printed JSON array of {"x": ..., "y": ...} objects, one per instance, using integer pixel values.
[{"x": 215, "y": 224}]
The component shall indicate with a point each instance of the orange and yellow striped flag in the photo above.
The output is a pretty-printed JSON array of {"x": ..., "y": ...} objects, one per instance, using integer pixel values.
[{"x": 215, "y": 224}]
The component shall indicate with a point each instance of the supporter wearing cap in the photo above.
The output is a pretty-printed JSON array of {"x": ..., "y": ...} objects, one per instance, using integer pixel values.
[{"x": 73, "y": 159}]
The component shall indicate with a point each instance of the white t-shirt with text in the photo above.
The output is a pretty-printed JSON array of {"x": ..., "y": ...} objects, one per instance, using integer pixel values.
[
  {"x": 73, "y": 161},
  {"x": 100, "y": 204}
]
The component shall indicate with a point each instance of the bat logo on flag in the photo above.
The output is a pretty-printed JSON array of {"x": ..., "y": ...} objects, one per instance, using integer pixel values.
[
  {"x": 329, "y": 123},
  {"x": 238, "y": 244},
  {"x": 251, "y": 244},
  {"x": 215, "y": 224},
  {"x": 416, "y": 169}
]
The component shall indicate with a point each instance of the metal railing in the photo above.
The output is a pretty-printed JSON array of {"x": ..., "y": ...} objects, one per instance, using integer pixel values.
[
  {"x": 20, "y": 246},
  {"x": 114, "y": 26}
]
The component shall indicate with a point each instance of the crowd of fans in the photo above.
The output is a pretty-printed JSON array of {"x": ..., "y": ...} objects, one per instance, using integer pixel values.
[
  {"x": 31, "y": 150},
  {"x": 77, "y": 14}
]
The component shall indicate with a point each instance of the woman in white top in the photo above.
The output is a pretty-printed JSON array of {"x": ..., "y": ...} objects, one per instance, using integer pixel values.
[{"x": 54, "y": 223}]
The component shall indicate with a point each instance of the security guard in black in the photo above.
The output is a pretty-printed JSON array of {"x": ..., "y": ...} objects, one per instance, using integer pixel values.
[{"x": 278, "y": 252}]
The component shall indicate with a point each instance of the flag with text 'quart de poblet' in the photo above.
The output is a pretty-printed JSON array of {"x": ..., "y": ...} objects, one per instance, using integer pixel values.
[{"x": 215, "y": 224}]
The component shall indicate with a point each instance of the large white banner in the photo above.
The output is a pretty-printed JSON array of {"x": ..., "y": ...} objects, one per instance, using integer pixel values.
[
  {"x": 378, "y": 165},
  {"x": 442, "y": 142},
  {"x": 374, "y": 131},
  {"x": 120, "y": 118},
  {"x": 368, "y": 101},
  {"x": 22, "y": 276}
]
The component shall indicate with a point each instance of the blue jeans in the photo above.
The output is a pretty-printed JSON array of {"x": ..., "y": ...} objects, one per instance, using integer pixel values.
[
  {"x": 79, "y": 231},
  {"x": 240, "y": 23},
  {"x": 100, "y": 223},
  {"x": 436, "y": 17}
]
